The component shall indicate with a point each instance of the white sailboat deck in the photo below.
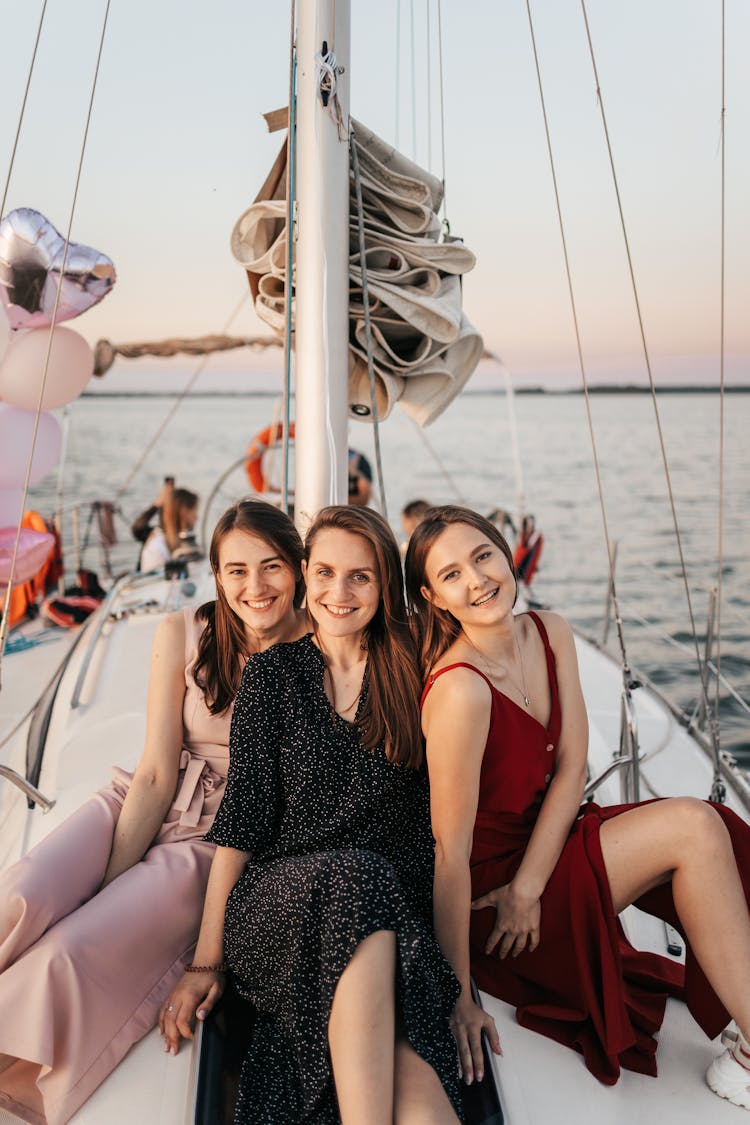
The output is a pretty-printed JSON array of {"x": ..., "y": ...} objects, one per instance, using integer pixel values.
[{"x": 536, "y": 1077}]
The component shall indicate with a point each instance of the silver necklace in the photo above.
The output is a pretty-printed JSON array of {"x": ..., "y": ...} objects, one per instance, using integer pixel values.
[
  {"x": 327, "y": 672},
  {"x": 488, "y": 668}
]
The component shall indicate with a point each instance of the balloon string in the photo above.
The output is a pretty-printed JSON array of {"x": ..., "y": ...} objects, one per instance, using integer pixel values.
[{"x": 5, "y": 622}]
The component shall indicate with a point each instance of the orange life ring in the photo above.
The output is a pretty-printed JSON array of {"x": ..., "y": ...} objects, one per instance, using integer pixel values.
[{"x": 259, "y": 446}]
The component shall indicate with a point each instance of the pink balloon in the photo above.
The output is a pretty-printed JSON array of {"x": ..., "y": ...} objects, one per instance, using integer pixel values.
[
  {"x": 11, "y": 511},
  {"x": 33, "y": 550},
  {"x": 71, "y": 363},
  {"x": 31, "y": 259},
  {"x": 16, "y": 432}
]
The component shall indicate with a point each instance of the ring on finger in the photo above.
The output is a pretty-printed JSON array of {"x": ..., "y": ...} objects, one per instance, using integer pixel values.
[{"x": 170, "y": 1007}]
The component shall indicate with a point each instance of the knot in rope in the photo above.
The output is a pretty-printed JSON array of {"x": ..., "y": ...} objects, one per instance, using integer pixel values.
[{"x": 327, "y": 75}]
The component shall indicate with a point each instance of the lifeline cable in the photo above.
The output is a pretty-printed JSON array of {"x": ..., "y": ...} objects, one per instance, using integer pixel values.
[{"x": 722, "y": 322}]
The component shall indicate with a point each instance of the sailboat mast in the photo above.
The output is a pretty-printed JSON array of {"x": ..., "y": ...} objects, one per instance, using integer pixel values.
[{"x": 322, "y": 259}]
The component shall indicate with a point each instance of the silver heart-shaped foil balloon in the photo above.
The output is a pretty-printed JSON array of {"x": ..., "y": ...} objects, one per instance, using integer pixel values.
[{"x": 31, "y": 257}]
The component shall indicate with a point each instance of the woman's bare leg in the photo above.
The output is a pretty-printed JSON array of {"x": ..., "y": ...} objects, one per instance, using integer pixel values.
[
  {"x": 419, "y": 1097},
  {"x": 684, "y": 839},
  {"x": 361, "y": 1032}
]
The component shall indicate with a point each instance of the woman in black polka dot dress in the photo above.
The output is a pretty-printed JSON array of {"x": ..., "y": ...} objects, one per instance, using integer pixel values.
[{"x": 325, "y": 860}]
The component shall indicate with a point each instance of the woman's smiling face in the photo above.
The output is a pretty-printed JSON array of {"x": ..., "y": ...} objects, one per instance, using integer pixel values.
[
  {"x": 257, "y": 582},
  {"x": 343, "y": 589},
  {"x": 469, "y": 576}
]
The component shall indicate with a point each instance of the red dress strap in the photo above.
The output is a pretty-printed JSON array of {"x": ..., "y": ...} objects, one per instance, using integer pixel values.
[
  {"x": 449, "y": 668},
  {"x": 555, "y": 717},
  {"x": 551, "y": 667}
]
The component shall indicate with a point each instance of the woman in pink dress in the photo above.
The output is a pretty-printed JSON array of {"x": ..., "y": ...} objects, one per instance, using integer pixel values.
[
  {"x": 97, "y": 920},
  {"x": 507, "y": 734}
]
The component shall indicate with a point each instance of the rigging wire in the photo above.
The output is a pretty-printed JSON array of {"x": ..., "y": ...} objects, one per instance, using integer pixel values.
[
  {"x": 413, "y": 83},
  {"x": 175, "y": 406},
  {"x": 291, "y": 189},
  {"x": 722, "y": 324},
  {"x": 446, "y": 223},
  {"x": 429, "y": 88},
  {"x": 439, "y": 462},
  {"x": 23, "y": 109},
  {"x": 515, "y": 445},
  {"x": 718, "y": 790},
  {"x": 667, "y": 638},
  {"x": 398, "y": 74},
  {"x": 60, "y": 485},
  {"x": 5, "y": 622},
  {"x": 368, "y": 326},
  {"x": 581, "y": 361}
]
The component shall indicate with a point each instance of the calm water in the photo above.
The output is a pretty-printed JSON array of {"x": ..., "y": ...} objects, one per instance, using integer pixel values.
[{"x": 473, "y": 441}]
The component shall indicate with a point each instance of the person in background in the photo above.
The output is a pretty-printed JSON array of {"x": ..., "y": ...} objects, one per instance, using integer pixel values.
[
  {"x": 507, "y": 737},
  {"x": 412, "y": 515},
  {"x": 503, "y": 521},
  {"x": 528, "y": 550},
  {"x": 142, "y": 527},
  {"x": 96, "y": 920},
  {"x": 320, "y": 890},
  {"x": 360, "y": 479},
  {"x": 177, "y": 511}
]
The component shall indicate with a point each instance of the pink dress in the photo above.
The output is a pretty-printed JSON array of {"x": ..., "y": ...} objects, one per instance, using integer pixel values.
[{"x": 85, "y": 974}]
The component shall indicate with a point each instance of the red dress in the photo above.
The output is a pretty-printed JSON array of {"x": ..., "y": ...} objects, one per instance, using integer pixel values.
[{"x": 585, "y": 985}]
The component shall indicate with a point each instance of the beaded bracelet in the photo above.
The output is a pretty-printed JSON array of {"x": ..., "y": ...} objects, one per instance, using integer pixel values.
[{"x": 191, "y": 968}]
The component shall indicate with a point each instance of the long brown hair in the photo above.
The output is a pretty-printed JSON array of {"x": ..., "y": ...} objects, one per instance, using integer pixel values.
[
  {"x": 435, "y": 629},
  {"x": 218, "y": 667},
  {"x": 390, "y": 712},
  {"x": 176, "y": 504}
]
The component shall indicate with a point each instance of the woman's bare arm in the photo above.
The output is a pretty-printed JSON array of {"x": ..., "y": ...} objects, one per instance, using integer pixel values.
[
  {"x": 196, "y": 993},
  {"x": 455, "y": 721},
  {"x": 153, "y": 786}
]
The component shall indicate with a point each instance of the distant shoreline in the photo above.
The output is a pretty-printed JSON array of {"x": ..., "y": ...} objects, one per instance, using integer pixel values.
[{"x": 615, "y": 389}]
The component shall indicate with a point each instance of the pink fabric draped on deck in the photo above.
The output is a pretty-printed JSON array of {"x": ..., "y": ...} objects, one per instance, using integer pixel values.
[{"x": 84, "y": 973}]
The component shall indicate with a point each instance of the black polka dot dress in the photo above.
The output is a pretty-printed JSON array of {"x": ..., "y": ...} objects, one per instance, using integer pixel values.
[{"x": 341, "y": 847}]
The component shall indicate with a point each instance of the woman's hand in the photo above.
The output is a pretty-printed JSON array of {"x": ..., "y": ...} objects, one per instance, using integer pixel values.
[
  {"x": 468, "y": 1021},
  {"x": 517, "y": 920},
  {"x": 193, "y": 998}
]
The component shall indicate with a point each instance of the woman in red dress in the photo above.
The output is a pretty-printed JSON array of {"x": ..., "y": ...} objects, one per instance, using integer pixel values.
[{"x": 529, "y": 882}]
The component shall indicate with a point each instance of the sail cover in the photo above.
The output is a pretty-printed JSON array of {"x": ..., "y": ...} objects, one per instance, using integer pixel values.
[{"x": 424, "y": 348}]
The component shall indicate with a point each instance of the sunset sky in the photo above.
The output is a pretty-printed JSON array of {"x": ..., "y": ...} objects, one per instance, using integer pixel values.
[{"x": 177, "y": 150}]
